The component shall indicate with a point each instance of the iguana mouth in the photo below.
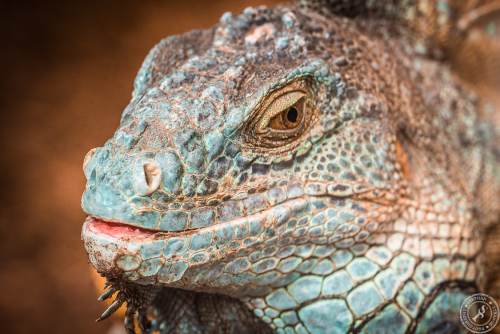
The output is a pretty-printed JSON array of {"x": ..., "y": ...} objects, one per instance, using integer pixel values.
[
  {"x": 336, "y": 190},
  {"x": 117, "y": 229},
  {"x": 115, "y": 247},
  {"x": 124, "y": 231},
  {"x": 119, "y": 247}
]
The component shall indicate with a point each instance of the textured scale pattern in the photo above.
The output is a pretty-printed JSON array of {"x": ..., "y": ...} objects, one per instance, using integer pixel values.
[{"x": 369, "y": 220}]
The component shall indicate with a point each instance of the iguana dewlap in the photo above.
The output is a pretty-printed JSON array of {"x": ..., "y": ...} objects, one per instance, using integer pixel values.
[{"x": 297, "y": 169}]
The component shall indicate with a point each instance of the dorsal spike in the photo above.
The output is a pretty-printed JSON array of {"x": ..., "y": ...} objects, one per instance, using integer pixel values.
[
  {"x": 438, "y": 25},
  {"x": 465, "y": 33},
  {"x": 478, "y": 14},
  {"x": 476, "y": 53},
  {"x": 352, "y": 8}
]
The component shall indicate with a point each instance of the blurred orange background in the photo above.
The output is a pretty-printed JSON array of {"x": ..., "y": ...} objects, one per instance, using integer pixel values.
[{"x": 68, "y": 69}]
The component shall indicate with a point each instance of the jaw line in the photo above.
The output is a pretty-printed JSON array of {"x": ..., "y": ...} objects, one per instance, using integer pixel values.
[
  {"x": 104, "y": 249},
  {"x": 146, "y": 233},
  {"x": 328, "y": 189}
]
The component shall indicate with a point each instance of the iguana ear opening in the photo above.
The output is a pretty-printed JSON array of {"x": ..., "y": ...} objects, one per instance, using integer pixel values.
[{"x": 402, "y": 159}]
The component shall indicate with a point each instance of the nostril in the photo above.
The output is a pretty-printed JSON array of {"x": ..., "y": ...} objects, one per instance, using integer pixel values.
[
  {"x": 148, "y": 178},
  {"x": 86, "y": 160},
  {"x": 152, "y": 174}
]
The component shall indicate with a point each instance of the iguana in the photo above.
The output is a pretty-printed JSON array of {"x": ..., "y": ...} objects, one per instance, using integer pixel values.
[{"x": 307, "y": 168}]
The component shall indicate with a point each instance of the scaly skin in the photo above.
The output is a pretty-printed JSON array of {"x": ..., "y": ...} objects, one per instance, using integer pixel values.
[{"x": 366, "y": 217}]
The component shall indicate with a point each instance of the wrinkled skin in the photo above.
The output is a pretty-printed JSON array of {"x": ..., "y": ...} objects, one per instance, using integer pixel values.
[{"x": 371, "y": 211}]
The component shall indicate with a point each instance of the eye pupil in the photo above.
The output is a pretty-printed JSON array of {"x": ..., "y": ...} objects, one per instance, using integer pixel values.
[
  {"x": 289, "y": 118},
  {"x": 292, "y": 115}
]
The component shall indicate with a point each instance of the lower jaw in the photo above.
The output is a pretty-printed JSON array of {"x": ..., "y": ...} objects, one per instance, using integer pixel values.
[
  {"x": 114, "y": 249},
  {"x": 120, "y": 251}
]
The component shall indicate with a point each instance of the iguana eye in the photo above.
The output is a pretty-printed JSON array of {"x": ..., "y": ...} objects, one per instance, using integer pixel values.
[
  {"x": 289, "y": 118},
  {"x": 285, "y": 113},
  {"x": 282, "y": 117}
]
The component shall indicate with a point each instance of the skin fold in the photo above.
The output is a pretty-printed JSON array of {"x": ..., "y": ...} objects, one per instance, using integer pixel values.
[{"x": 293, "y": 171}]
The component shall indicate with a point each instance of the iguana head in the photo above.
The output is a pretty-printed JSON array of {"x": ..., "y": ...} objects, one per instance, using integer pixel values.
[
  {"x": 239, "y": 141},
  {"x": 288, "y": 160}
]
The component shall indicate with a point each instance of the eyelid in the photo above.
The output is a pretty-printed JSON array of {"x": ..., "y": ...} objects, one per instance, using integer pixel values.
[{"x": 281, "y": 103}]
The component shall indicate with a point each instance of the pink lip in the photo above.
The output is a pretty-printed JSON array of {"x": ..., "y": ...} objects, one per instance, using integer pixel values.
[{"x": 117, "y": 230}]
